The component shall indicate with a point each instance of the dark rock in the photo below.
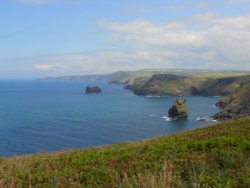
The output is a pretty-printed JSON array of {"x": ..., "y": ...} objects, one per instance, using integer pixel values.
[
  {"x": 95, "y": 89},
  {"x": 235, "y": 105},
  {"x": 194, "y": 91},
  {"x": 178, "y": 110},
  {"x": 221, "y": 104}
]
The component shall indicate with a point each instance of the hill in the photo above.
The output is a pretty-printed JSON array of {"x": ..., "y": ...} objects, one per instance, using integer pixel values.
[
  {"x": 123, "y": 77},
  {"x": 215, "y": 156},
  {"x": 205, "y": 85}
]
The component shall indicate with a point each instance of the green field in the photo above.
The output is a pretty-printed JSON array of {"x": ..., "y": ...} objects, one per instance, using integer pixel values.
[{"x": 215, "y": 156}]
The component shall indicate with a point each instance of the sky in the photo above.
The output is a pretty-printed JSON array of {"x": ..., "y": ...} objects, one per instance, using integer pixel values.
[{"x": 40, "y": 38}]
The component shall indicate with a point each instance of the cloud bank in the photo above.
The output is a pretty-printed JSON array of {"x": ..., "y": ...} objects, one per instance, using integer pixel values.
[{"x": 208, "y": 38}]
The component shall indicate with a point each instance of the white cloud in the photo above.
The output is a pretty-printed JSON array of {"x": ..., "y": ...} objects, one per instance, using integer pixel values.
[
  {"x": 203, "y": 37},
  {"x": 43, "y": 67},
  {"x": 145, "y": 32}
]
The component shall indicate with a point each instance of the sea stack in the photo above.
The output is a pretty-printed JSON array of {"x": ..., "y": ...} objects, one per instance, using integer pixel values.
[
  {"x": 178, "y": 110},
  {"x": 90, "y": 90}
]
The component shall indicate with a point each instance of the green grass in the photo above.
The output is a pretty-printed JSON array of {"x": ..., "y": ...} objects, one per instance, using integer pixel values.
[{"x": 215, "y": 156}]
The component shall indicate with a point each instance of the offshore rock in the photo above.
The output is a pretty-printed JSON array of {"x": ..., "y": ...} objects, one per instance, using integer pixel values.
[
  {"x": 90, "y": 90},
  {"x": 178, "y": 110}
]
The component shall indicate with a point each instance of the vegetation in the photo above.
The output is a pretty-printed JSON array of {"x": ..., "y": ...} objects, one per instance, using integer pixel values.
[
  {"x": 135, "y": 77},
  {"x": 215, "y": 156},
  {"x": 128, "y": 76},
  {"x": 208, "y": 85}
]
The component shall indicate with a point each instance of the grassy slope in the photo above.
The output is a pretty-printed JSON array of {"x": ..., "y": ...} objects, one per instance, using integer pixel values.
[
  {"x": 215, "y": 156},
  {"x": 207, "y": 84},
  {"x": 129, "y": 76}
]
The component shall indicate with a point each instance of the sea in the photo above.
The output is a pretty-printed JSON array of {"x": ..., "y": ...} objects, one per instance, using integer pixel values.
[{"x": 44, "y": 116}]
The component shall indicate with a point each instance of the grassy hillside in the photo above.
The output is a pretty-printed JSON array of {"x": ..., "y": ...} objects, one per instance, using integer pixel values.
[
  {"x": 162, "y": 84},
  {"x": 208, "y": 85},
  {"x": 129, "y": 76},
  {"x": 215, "y": 156}
]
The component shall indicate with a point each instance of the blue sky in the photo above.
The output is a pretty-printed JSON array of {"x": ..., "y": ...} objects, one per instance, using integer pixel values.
[{"x": 67, "y": 37}]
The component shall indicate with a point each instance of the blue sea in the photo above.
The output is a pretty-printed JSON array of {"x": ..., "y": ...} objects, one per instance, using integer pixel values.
[{"x": 43, "y": 116}]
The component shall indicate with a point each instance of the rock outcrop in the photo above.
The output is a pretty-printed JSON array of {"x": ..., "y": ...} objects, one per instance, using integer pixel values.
[
  {"x": 90, "y": 90},
  {"x": 178, "y": 110},
  {"x": 235, "y": 105}
]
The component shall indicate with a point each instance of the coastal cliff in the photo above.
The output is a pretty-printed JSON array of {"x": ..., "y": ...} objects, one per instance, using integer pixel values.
[
  {"x": 236, "y": 104},
  {"x": 235, "y": 90},
  {"x": 161, "y": 84},
  {"x": 167, "y": 84}
]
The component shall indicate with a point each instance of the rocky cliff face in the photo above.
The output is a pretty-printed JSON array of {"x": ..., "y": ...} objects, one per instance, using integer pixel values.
[
  {"x": 178, "y": 110},
  {"x": 236, "y": 90},
  {"x": 167, "y": 84},
  {"x": 235, "y": 105},
  {"x": 221, "y": 86},
  {"x": 162, "y": 84}
]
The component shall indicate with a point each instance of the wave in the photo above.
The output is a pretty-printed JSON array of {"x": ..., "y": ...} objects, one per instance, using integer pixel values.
[
  {"x": 153, "y": 96},
  {"x": 205, "y": 119},
  {"x": 166, "y": 118}
]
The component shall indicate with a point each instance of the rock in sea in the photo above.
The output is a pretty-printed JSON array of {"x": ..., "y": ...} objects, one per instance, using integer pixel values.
[
  {"x": 178, "y": 110},
  {"x": 90, "y": 90}
]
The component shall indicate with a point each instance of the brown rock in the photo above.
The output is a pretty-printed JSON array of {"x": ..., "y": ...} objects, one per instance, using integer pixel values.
[{"x": 178, "y": 110}]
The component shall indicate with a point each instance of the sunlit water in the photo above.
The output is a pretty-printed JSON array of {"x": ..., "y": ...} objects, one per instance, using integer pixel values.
[{"x": 40, "y": 116}]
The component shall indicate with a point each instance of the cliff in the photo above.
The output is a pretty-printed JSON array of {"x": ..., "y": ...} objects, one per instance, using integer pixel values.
[
  {"x": 235, "y": 89},
  {"x": 161, "y": 84},
  {"x": 236, "y": 104},
  {"x": 167, "y": 84}
]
